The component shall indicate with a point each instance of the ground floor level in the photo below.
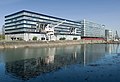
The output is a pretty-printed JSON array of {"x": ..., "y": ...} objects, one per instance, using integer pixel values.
[{"x": 32, "y": 36}]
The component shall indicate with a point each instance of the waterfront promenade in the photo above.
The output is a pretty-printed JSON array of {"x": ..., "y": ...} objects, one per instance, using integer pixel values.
[{"x": 18, "y": 44}]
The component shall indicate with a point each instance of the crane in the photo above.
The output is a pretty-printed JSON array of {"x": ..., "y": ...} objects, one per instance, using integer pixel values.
[{"x": 48, "y": 29}]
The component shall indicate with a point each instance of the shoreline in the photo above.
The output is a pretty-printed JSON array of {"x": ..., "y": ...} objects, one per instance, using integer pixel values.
[{"x": 23, "y": 44}]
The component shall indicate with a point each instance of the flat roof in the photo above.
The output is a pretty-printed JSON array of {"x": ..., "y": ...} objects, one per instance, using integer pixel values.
[{"x": 40, "y": 14}]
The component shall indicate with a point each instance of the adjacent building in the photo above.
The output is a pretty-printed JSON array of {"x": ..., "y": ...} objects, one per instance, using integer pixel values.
[
  {"x": 92, "y": 30},
  {"x": 25, "y": 25},
  {"x": 108, "y": 35}
]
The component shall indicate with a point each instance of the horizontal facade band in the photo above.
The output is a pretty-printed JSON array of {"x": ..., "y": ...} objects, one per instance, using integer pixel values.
[
  {"x": 39, "y": 14},
  {"x": 19, "y": 28},
  {"x": 35, "y": 24},
  {"x": 48, "y": 20},
  {"x": 21, "y": 32}
]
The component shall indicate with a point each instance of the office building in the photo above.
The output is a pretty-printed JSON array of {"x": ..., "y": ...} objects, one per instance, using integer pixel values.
[
  {"x": 92, "y": 30},
  {"x": 25, "y": 25},
  {"x": 108, "y": 35}
]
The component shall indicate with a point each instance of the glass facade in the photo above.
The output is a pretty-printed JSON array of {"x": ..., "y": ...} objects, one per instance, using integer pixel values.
[
  {"x": 31, "y": 22},
  {"x": 91, "y": 29}
]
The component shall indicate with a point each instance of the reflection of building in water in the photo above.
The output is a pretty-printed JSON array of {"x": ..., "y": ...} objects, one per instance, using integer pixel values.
[
  {"x": 30, "y": 68},
  {"x": 109, "y": 48},
  {"x": 92, "y": 52},
  {"x": 53, "y": 59},
  {"x": 27, "y": 53},
  {"x": 116, "y": 48},
  {"x": 112, "y": 48},
  {"x": 50, "y": 56}
]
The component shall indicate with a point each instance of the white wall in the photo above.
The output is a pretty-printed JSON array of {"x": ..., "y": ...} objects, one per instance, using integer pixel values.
[
  {"x": 29, "y": 36},
  {"x": 8, "y": 37},
  {"x": 52, "y": 37}
]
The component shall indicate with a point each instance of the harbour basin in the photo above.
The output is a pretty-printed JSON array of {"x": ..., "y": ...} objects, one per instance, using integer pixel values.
[{"x": 76, "y": 63}]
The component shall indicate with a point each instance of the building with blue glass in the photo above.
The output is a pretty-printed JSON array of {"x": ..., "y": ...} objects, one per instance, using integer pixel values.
[{"x": 25, "y": 25}]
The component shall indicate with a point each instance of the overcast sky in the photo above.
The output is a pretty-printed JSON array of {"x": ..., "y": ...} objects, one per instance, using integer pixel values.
[{"x": 105, "y": 12}]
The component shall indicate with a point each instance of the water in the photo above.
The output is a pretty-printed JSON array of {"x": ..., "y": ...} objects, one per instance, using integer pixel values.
[{"x": 80, "y": 63}]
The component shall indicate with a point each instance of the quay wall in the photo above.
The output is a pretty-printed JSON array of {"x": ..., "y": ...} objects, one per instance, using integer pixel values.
[{"x": 18, "y": 44}]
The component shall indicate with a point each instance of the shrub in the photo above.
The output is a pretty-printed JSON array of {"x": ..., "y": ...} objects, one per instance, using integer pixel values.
[
  {"x": 2, "y": 37},
  {"x": 34, "y": 38},
  {"x": 62, "y": 38},
  {"x": 20, "y": 39},
  {"x": 42, "y": 38},
  {"x": 74, "y": 38}
]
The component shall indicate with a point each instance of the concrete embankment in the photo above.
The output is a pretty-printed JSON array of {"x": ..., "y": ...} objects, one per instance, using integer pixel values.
[{"x": 18, "y": 44}]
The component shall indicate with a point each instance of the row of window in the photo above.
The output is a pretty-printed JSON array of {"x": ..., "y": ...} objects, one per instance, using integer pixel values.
[
  {"x": 33, "y": 15},
  {"x": 14, "y": 16},
  {"x": 60, "y": 29},
  {"x": 29, "y": 24},
  {"x": 11, "y": 24},
  {"x": 45, "y": 17},
  {"x": 20, "y": 26},
  {"x": 35, "y": 30},
  {"x": 93, "y": 34},
  {"x": 92, "y": 29},
  {"x": 25, "y": 24}
]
